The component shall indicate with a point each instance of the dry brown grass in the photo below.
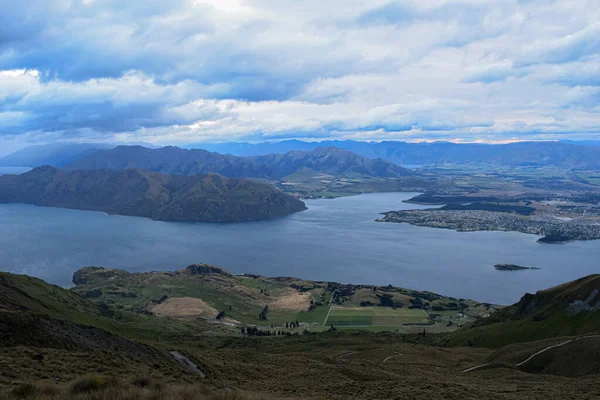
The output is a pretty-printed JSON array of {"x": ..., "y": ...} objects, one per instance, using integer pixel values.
[
  {"x": 291, "y": 300},
  {"x": 326, "y": 366},
  {"x": 106, "y": 388},
  {"x": 184, "y": 307}
]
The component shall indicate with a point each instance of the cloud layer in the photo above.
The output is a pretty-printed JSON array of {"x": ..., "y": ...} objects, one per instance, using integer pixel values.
[{"x": 189, "y": 70}]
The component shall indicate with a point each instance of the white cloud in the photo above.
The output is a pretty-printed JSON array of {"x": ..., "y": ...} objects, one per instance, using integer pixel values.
[{"x": 190, "y": 70}]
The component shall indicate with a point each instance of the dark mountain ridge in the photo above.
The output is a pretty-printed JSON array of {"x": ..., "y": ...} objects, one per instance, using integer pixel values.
[
  {"x": 174, "y": 160},
  {"x": 198, "y": 198}
]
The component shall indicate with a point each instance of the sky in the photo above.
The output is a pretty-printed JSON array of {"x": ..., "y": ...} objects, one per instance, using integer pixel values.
[{"x": 188, "y": 71}]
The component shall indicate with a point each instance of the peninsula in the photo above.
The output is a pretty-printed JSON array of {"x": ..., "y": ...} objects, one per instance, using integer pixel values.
[
  {"x": 549, "y": 228},
  {"x": 197, "y": 198}
]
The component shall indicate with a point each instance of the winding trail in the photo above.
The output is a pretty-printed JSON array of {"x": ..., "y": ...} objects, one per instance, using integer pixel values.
[
  {"x": 347, "y": 354},
  {"x": 554, "y": 346},
  {"x": 395, "y": 355},
  {"x": 475, "y": 368}
]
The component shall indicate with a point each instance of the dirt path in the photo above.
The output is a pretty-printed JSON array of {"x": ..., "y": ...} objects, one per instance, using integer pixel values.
[
  {"x": 475, "y": 368},
  {"x": 554, "y": 346},
  {"x": 187, "y": 364},
  {"x": 330, "y": 307},
  {"x": 394, "y": 356}
]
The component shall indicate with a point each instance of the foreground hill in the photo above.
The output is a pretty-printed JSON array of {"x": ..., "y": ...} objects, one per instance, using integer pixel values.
[
  {"x": 174, "y": 160},
  {"x": 533, "y": 154},
  {"x": 200, "y": 198},
  {"x": 569, "y": 309},
  {"x": 53, "y": 333},
  {"x": 55, "y": 344}
]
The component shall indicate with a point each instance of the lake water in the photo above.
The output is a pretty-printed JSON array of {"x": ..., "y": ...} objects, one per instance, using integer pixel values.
[{"x": 336, "y": 240}]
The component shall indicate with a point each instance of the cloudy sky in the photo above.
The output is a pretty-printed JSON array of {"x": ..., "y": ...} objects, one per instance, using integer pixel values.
[{"x": 186, "y": 71}]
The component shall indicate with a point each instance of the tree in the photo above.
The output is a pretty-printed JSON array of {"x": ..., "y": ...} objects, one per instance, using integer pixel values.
[
  {"x": 263, "y": 314},
  {"x": 221, "y": 315},
  {"x": 243, "y": 331}
]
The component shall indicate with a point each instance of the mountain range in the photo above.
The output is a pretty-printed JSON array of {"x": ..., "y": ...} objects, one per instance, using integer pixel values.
[
  {"x": 533, "y": 154},
  {"x": 174, "y": 160},
  {"x": 198, "y": 198},
  {"x": 563, "y": 154}
]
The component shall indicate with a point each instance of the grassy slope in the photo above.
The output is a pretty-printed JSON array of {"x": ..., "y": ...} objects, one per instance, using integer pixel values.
[
  {"x": 49, "y": 333},
  {"x": 21, "y": 293},
  {"x": 540, "y": 316},
  {"x": 326, "y": 365}
]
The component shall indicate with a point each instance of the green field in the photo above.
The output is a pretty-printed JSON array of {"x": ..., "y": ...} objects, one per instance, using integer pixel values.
[{"x": 375, "y": 316}]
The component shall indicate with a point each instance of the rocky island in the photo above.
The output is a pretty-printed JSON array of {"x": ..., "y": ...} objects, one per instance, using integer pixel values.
[
  {"x": 551, "y": 230},
  {"x": 197, "y": 198}
]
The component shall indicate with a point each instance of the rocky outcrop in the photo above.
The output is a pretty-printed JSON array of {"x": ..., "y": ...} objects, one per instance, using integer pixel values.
[
  {"x": 205, "y": 269},
  {"x": 93, "y": 294},
  {"x": 577, "y": 306},
  {"x": 80, "y": 277}
]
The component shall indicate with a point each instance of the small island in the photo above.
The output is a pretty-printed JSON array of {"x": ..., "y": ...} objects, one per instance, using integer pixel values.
[{"x": 511, "y": 267}]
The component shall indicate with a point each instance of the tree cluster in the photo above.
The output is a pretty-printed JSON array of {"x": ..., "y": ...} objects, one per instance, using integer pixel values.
[
  {"x": 254, "y": 331},
  {"x": 292, "y": 325}
]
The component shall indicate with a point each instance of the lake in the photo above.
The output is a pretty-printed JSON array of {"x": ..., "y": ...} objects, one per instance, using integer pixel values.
[{"x": 334, "y": 240}]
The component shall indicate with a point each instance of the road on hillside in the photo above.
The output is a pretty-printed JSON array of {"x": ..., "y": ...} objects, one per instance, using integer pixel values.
[{"x": 477, "y": 367}]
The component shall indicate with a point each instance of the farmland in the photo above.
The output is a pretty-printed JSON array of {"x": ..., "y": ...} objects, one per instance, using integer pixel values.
[
  {"x": 201, "y": 294},
  {"x": 376, "y": 316}
]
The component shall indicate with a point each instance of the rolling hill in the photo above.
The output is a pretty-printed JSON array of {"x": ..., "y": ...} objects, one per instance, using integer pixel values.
[
  {"x": 199, "y": 198},
  {"x": 565, "y": 310},
  {"x": 174, "y": 160},
  {"x": 56, "y": 344},
  {"x": 56, "y": 333}
]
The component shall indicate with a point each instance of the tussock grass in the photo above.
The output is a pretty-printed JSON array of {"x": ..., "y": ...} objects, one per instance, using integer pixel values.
[{"x": 99, "y": 387}]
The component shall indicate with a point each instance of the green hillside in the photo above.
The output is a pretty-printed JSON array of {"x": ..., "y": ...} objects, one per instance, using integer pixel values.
[
  {"x": 569, "y": 309},
  {"x": 109, "y": 338}
]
